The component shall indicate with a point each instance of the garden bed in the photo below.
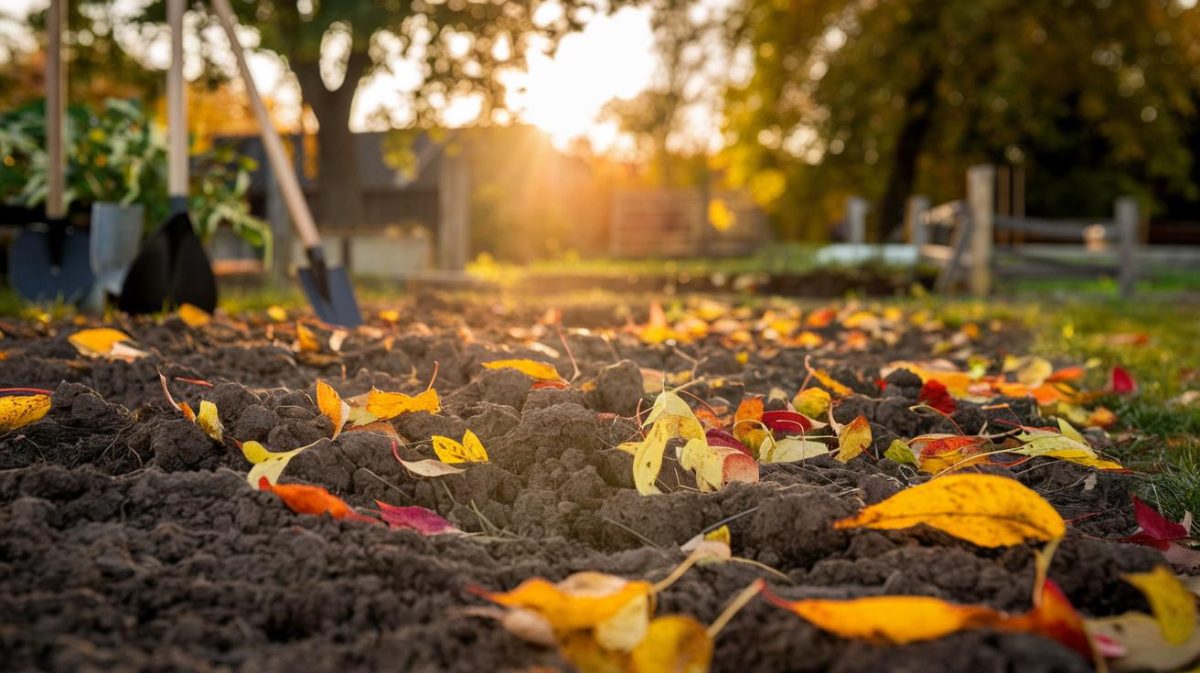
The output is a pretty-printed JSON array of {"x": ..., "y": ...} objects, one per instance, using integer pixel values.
[{"x": 130, "y": 540}]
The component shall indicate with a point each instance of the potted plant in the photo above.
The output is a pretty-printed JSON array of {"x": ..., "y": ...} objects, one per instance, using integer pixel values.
[{"x": 117, "y": 163}]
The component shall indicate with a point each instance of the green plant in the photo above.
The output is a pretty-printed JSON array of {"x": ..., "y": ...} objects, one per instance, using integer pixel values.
[{"x": 117, "y": 154}]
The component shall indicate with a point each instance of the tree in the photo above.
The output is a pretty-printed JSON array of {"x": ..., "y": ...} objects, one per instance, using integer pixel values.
[{"x": 881, "y": 98}]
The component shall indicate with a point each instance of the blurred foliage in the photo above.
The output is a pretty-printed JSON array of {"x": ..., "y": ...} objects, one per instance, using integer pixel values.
[
  {"x": 116, "y": 154},
  {"x": 885, "y": 99}
]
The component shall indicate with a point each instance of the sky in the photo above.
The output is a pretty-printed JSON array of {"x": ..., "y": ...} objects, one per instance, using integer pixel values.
[{"x": 613, "y": 57}]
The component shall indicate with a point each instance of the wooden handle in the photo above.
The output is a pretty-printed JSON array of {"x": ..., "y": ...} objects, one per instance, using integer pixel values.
[
  {"x": 56, "y": 103},
  {"x": 177, "y": 131},
  {"x": 281, "y": 166}
]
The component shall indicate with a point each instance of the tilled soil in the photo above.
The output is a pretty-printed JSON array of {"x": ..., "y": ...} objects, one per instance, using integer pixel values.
[{"x": 131, "y": 541}]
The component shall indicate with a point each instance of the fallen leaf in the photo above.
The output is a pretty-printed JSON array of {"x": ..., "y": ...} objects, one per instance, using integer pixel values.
[
  {"x": 385, "y": 406},
  {"x": 1173, "y": 606},
  {"x": 20, "y": 410},
  {"x": 901, "y": 453},
  {"x": 267, "y": 464},
  {"x": 716, "y": 466},
  {"x": 315, "y": 500},
  {"x": 893, "y": 620},
  {"x": 306, "y": 340},
  {"x": 1155, "y": 530},
  {"x": 673, "y": 644},
  {"x": 1064, "y": 447},
  {"x": 419, "y": 519},
  {"x": 935, "y": 394},
  {"x": 834, "y": 386},
  {"x": 1122, "y": 382},
  {"x": 1031, "y": 371},
  {"x": 98, "y": 342},
  {"x": 331, "y": 406},
  {"x": 747, "y": 418},
  {"x": 648, "y": 457},
  {"x": 987, "y": 510},
  {"x": 788, "y": 422},
  {"x": 1054, "y": 616},
  {"x": 853, "y": 438},
  {"x": 470, "y": 450},
  {"x": 581, "y": 601},
  {"x": 389, "y": 315},
  {"x": 277, "y": 313},
  {"x": 531, "y": 368},
  {"x": 210, "y": 422},
  {"x": 812, "y": 402},
  {"x": 790, "y": 450},
  {"x": 1144, "y": 648},
  {"x": 193, "y": 316}
]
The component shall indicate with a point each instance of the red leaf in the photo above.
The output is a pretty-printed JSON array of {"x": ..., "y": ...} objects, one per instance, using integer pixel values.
[
  {"x": 1056, "y": 618},
  {"x": 934, "y": 393},
  {"x": 718, "y": 437},
  {"x": 1122, "y": 382},
  {"x": 1156, "y": 530},
  {"x": 423, "y": 521},
  {"x": 787, "y": 422}
]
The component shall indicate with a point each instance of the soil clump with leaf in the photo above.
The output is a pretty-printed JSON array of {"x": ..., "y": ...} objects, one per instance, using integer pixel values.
[{"x": 137, "y": 532}]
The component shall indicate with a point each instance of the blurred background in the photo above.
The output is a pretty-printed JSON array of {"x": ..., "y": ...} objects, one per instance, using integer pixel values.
[{"x": 438, "y": 135}]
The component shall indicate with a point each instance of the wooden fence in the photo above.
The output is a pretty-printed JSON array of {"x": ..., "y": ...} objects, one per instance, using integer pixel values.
[{"x": 961, "y": 237}]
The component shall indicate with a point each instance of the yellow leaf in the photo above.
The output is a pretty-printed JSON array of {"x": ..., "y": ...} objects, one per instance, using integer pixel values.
[
  {"x": 988, "y": 510},
  {"x": 853, "y": 438},
  {"x": 648, "y": 457},
  {"x": 1145, "y": 647},
  {"x": 269, "y": 464},
  {"x": 716, "y": 466},
  {"x": 1173, "y": 606},
  {"x": 389, "y": 315},
  {"x": 277, "y": 313},
  {"x": 209, "y": 421},
  {"x": 306, "y": 340},
  {"x": 627, "y": 626},
  {"x": 893, "y": 620},
  {"x": 20, "y": 410},
  {"x": 812, "y": 402},
  {"x": 532, "y": 368},
  {"x": 1031, "y": 371},
  {"x": 901, "y": 453},
  {"x": 789, "y": 449},
  {"x": 469, "y": 451},
  {"x": 332, "y": 406},
  {"x": 834, "y": 386},
  {"x": 97, "y": 342},
  {"x": 193, "y": 316},
  {"x": 386, "y": 406},
  {"x": 582, "y": 601},
  {"x": 673, "y": 644}
]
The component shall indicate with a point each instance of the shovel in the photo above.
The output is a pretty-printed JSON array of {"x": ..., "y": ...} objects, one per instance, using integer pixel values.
[
  {"x": 327, "y": 288},
  {"x": 49, "y": 260},
  {"x": 172, "y": 267}
]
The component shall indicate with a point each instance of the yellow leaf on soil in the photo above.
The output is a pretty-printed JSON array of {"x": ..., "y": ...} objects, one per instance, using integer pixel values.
[
  {"x": 194, "y": 316},
  {"x": 836, "y": 387},
  {"x": 20, "y": 410},
  {"x": 581, "y": 601},
  {"x": 789, "y": 449},
  {"x": 331, "y": 406},
  {"x": 385, "y": 406},
  {"x": 648, "y": 457},
  {"x": 277, "y": 313},
  {"x": 748, "y": 418},
  {"x": 1173, "y": 605},
  {"x": 812, "y": 402},
  {"x": 269, "y": 464},
  {"x": 673, "y": 644},
  {"x": 893, "y": 620},
  {"x": 209, "y": 421},
  {"x": 988, "y": 510},
  {"x": 1031, "y": 371},
  {"x": 853, "y": 438},
  {"x": 306, "y": 340},
  {"x": 389, "y": 315},
  {"x": 532, "y": 368},
  {"x": 716, "y": 466},
  {"x": 97, "y": 342},
  {"x": 469, "y": 451}
]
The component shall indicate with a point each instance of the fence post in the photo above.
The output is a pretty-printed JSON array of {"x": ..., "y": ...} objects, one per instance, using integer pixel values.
[
  {"x": 1126, "y": 219},
  {"x": 918, "y": 233},
  {"x": 856, "y": 220},
  {"x": 454, "y": 211},
  {"x": 981, "y": 202}
]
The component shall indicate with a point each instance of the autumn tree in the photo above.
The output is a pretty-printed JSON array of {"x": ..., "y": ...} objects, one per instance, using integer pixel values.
[{"x": 882, "y": 98}]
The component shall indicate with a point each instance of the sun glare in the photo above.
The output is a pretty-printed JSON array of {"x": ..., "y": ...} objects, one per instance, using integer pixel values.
[{"x": 613, "y": 57}]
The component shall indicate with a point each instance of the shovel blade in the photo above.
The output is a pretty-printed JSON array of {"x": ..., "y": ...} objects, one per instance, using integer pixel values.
[
  {"x": 172, "y": 268},
  {"x": 35, "y": 276},
  {"x": 340, "y": 307}
]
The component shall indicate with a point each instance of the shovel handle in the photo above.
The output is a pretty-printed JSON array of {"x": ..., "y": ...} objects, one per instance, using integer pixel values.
[
  {"x": 177, "y": 157},
  {"x": 56, "y": 103},
  {"x": 281, "y": 166}
]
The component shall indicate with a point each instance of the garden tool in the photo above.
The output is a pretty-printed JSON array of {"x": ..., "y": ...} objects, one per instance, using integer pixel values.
[
  {"x": 49, "y": 260},
  {"x": 172, "y": 267},
  {"x": 327, "y": 288}
]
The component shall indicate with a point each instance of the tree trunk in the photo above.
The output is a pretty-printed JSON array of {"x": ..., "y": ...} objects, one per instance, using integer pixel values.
[
  {"x": 919, "y": 105},
  {"x": 339, "y": 202}
]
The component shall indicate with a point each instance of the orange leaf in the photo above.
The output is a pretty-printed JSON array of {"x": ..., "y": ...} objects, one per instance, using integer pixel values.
[
  {"x": 331, "y": 406},
  {"x": 583, "y": 600},
  {"x": 306, "y": 340},
  {"x": 853, "y": 438},
  {"x": 305, "y": 499},
  {"x": 748, "y": 418}
]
